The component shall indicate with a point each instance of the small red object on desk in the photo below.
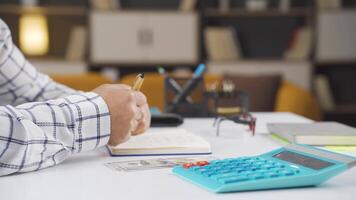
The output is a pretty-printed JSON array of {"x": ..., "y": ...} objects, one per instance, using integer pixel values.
[
  {"x": 202, "y": 163},
  {"x": 188, "y": 165}
]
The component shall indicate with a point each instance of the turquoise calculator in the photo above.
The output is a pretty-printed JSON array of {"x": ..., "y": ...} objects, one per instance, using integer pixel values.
[{"x": 286, "y": 167}]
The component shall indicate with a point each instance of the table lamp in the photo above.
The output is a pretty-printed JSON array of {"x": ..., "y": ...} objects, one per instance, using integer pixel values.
[{"x": 34, "y": 34}]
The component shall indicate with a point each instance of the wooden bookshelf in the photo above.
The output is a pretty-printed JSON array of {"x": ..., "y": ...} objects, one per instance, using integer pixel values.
[{"x": 47, "y": 10}]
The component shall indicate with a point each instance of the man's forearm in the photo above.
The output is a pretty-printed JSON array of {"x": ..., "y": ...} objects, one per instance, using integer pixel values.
[{"x": 42, "y": 134}]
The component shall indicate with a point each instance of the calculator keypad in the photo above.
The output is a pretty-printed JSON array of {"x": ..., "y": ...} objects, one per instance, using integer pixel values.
[{"x": 243, "y": 169}]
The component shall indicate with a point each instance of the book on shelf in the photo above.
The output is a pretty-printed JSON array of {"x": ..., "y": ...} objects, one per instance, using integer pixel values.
[
  {"x": 222, "y": 43},
  {"x": 224, "y": 5},
  {"x": 256, "y": 5},
  {"x": 105, "y": 4},
  {"x": 328, "y": 4},
  {"x": 162, "y": 141},
  {"x": 29, "y": 3},
  {"x": 301, "y": 44},
  {"x": 323, "y": 92},
  {"x": 284, "y": 5},
  {"x": 336, "y": 36},
  {"x": 77, "y": 43},
  {"x": 187, "y": 5}
]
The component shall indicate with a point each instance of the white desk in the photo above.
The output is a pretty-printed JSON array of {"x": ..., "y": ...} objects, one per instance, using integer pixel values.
[{"x": 85, "y": 177}]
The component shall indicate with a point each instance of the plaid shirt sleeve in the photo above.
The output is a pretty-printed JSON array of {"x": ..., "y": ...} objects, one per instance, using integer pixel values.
[
  {"x": 44, "y": 132},
  {"x": 20, "y": 82}
]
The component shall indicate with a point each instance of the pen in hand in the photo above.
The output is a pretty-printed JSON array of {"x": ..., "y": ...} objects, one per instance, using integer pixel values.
[{"x": 138, "y": 82}]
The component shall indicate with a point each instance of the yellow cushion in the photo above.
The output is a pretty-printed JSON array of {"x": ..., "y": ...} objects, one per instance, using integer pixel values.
[
  {"x": 291, "y": 98},
  {"x": 85, "y": 82}
]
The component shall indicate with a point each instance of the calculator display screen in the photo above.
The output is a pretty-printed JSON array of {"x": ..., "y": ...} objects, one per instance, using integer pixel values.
[{"x": 305, "y": 161}]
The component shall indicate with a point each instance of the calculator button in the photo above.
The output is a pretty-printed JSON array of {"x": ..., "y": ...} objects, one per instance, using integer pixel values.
[
  {"x": 208, "y": 174},
  {"x": 263, "y": 171},
  {"x": 256, "y": 176},
  {"x": 280, "y": 166},
  {"x": 268, "y": 166},
  {"x": 200, "y": 170},
  {"x": 224, "y": 171},
  {"x": 222, "y": 176},
  {"x": 270, "y": 162},
  {"x": 193, "y": 168},
  {"x": 287, "y": 172},
  {"x": 272, "y": 174},
  {"x": 233, "y": 179},
  {"x": 255, "y": 168}
]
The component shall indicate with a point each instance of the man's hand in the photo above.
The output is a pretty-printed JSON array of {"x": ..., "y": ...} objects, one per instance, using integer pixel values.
[{"x": 128, "y": 110}]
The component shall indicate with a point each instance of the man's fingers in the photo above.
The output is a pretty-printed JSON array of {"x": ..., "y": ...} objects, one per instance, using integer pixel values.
[
  {"x": 122, "y": 86},
  {"x": 140, "y": 98},
  {"x": 133, "y": 126},
  {"x": 138, "y": 113},
  {"x": 144, "y": 123}
]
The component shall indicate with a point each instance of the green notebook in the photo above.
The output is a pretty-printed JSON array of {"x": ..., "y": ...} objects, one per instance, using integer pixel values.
[{"x": 318, "y": 133}]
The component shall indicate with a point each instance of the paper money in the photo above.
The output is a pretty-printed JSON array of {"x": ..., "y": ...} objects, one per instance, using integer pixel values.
[{"x": 147, "y": 164}]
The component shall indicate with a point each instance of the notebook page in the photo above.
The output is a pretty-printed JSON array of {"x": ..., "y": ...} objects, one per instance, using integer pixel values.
[{"x": 164, "y": 138}]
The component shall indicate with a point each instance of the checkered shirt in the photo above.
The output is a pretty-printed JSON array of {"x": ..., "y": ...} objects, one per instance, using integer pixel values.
[{"x": 42, "y": 122}]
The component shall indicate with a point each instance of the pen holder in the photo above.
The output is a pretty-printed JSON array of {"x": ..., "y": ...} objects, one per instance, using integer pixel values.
[
  {"x": 220, "y": 103},
  {"x": 231, "y": 103},
  {"x": 194, "y": 105}
]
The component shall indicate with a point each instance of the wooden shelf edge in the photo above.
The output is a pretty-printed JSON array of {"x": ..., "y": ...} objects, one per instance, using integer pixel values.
[
  {"x": 47, "y": 10},
  {"x": 295, "y": 12},
  {"x": 335, "y": 62},
  {"x": 263, "y": 60}
]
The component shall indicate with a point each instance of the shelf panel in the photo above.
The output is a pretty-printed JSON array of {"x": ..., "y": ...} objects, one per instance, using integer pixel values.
[
  {"x": 47, "y": 10},
  {"x": 298, "y": 72},
  {"x": 327, "y": 63},
  {"x": 343, "y": 109},
  {"x": 295, "y": 12},
  {"x": 259, "y": 61}
]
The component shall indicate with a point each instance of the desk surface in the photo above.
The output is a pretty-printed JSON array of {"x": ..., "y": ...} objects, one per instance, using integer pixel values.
[{"x": 84, "y": 176}]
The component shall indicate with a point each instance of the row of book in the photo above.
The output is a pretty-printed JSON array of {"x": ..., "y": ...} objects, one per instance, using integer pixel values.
[
  {"x": 225, "y": 5},
  {"x": 77, "y": 43},
  {"x": 283, "y": 5},
  {"x": 185, "y": 5},
  {"x": 222, "y": 43}
]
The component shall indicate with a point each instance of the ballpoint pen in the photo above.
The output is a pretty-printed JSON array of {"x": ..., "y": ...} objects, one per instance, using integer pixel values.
[
  {"x": 138, "y": 82},
  {"x": 176, "y": 87},
  {"x": 188, "y": 87}
]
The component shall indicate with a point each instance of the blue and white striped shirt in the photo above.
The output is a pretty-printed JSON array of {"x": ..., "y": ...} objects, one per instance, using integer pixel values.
[{"x": 43, "y": 122}]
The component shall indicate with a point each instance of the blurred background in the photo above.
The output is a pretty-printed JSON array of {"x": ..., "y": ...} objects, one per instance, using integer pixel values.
[{"x": 287, "y": 55}]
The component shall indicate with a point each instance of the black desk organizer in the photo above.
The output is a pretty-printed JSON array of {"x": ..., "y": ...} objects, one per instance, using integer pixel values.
[{"x": 195, "y": 105}]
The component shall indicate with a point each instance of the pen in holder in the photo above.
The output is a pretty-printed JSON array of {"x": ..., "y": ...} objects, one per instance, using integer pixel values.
[{"x": 192, "y": 103}]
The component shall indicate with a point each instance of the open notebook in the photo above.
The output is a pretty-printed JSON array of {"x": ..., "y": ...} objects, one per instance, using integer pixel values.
[{"x": 162, "y": 141}]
